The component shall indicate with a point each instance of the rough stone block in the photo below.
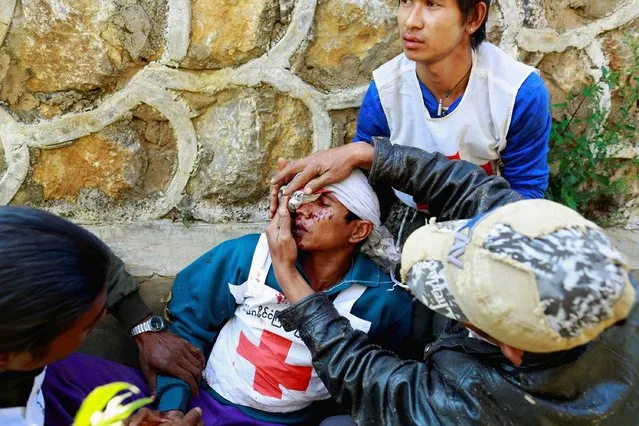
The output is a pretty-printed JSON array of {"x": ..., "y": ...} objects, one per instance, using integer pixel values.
[
  {"x": 568, "y": 14},
  {"x": 617, "y": 48},
  {"x": 344, "y": 126},
  {"x": 241, "y": 137},
  {"x": 227, "y": 33},
  {"x": 350, "y": 39},
  {"x": 565, "y": 73},
  {"x": 494, "y": 24},
  {"x": 106, "y": 175},
  {"x": 91, "y": 162},
  {"x": 77, "y": 45},
  {"x": 531, "y": 12}
]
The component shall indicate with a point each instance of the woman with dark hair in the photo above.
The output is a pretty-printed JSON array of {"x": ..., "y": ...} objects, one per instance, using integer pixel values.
[{"x": 53, "y": 291}]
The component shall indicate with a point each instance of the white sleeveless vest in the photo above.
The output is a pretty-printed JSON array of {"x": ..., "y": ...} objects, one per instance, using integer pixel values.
[
  {"x": 30, "y": 415},
  {"x": 476, "y": 130},
  {"x": 254, "y": 362}
]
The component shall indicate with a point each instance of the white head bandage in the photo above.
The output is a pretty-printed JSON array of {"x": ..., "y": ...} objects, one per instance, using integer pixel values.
[{"x": 356, "y": 194}]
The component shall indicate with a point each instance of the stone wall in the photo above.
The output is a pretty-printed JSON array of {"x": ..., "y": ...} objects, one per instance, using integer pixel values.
[{"x": 133, "y": 110}]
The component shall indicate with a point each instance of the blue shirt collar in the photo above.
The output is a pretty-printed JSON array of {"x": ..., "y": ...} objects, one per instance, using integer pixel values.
[{"x": 363, "y": 272}]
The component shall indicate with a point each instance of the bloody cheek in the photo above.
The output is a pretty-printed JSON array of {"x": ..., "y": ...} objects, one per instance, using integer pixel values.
[{"x": 323, "y": 216}]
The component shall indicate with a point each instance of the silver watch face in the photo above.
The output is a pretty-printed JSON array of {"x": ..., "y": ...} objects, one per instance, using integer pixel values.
[{"x": 156, "y": 323}]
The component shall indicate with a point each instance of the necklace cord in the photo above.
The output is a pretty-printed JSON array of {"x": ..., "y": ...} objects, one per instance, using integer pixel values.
[
  {"x": 440, "y": 107},
  {"x": 458, "y": 83}
]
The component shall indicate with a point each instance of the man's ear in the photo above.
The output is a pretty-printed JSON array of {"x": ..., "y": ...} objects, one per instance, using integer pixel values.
[
  {"x": 361, "y": 230},
  {"x": 475, "y": 20}
]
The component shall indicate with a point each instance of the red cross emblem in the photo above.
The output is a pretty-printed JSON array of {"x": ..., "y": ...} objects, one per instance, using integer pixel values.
[
  {"x": 488, "y": 168},
  {"x": 271, "y": 369}
]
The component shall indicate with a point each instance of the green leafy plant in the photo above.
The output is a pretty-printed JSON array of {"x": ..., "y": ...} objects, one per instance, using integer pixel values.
[
  {"x": 584, "y": 148},
  {"x": 103, "y": 406}
]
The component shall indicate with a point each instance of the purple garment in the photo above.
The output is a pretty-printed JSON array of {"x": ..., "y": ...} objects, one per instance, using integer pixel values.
[{"x": 69, "y": 381}]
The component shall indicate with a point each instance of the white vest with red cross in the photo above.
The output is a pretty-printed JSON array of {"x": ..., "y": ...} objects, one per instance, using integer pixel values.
[
  {"x": 475, "y": 130},
  {"x": 255, "y": 362}
]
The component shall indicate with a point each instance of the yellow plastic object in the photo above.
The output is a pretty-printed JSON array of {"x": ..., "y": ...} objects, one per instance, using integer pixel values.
[{"x": 103, "y": 406}]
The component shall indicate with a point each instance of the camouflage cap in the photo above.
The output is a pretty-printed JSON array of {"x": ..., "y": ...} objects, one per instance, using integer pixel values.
[{"x": 533, "y": 274}]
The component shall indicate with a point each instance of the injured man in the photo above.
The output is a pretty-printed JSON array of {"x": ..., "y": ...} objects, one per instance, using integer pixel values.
[{"x": 226, "y": 304}]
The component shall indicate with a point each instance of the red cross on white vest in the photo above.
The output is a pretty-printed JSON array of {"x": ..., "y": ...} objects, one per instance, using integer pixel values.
[
  {"x": 271, "y": 369},
  {"x": 488, "y": 168}
]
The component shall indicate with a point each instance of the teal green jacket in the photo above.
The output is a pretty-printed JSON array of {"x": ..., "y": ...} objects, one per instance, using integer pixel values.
[{"x": 202, "y": 303}]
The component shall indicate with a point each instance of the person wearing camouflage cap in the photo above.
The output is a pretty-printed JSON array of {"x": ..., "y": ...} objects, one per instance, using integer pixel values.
[
  {"x": 534, "y": 312},
  {"x": 533, "y": 285}
]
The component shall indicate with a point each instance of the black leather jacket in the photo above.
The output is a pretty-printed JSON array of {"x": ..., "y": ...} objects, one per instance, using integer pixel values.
[{"x": 463, "y": 380}]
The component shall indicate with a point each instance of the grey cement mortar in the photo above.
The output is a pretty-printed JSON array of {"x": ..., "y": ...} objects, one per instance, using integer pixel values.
[{"x": 163, "y": 247}]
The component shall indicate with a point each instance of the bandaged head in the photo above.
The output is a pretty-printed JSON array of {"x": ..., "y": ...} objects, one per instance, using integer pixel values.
[{"x": 356, "y": 194}]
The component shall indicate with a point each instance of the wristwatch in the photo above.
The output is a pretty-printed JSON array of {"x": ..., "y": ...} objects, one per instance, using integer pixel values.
[{"x": 154, "y": 323}]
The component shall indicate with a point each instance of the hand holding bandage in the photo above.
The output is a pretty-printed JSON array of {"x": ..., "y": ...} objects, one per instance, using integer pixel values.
[
  {"x": 283, "y": 252},
  {"x": 319, "y": 169}
]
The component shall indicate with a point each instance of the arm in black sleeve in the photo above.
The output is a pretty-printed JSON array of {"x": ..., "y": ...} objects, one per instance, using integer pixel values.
[
  {"x": 375, "y": 385},
  {"x": 452, "y": 189},
  {"x": 123, "y": 297}
]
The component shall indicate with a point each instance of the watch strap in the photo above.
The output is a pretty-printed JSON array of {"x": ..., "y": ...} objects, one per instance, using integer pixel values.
[{"x": 143, "y": 327}]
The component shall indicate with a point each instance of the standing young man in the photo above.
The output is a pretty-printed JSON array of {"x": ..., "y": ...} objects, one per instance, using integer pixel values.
[{"x": 452, "y": 92}]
